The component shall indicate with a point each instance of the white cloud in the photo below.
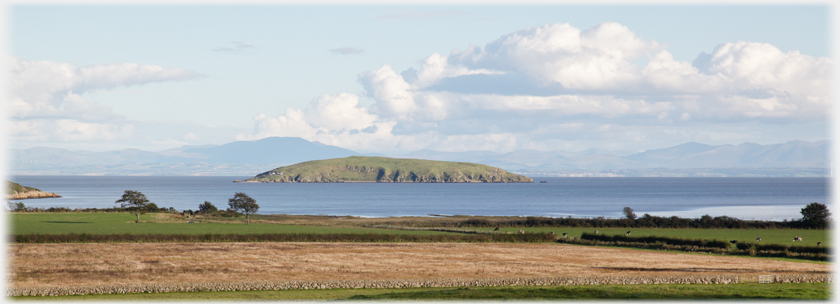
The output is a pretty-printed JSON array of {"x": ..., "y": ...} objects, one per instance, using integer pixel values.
[
  {"x": 562, "y": 82},
  {"x": 338, "y": 112},
  {"x": 190, "y": 137},
  {"x": 236, "y": 48},
  {"x": 596, "y": 59},
  {"x": 391, "y": 92},
  {"x": 46, "y": 102},
  {"x": 761, "y": 66}
]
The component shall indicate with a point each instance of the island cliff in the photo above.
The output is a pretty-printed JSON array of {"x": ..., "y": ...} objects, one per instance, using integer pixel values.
[
  {"x": 387, "y": 170},
  {"x": 15, "y": 191}
]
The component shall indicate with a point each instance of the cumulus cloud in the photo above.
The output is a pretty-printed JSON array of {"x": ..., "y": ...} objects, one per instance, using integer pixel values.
[
  {"x": 525, "y": 84},
  {"x": 347, "y": 51},
  {"x": 391, "y": 92},
  {"x": 338, "y": 112},
  {"x": 598, "y": 58},
  {"x": 46, "y": 101}
]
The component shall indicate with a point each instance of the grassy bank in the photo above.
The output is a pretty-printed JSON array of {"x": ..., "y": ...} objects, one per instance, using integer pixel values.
[
  {"x": 123, "y": 223},
  {"x": 810, "y": 237},
  {"x": 802, "y": 291}
]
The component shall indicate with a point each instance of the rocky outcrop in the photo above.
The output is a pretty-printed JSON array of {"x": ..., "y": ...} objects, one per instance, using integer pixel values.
[
  {"x": 15, "y": 191},
  {"x": 30, "y": 195}
]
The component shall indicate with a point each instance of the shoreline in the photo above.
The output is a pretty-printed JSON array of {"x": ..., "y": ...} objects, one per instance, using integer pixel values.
[
  {"x": 32, "y": 195},
  {"x": 375, "y": 182}
]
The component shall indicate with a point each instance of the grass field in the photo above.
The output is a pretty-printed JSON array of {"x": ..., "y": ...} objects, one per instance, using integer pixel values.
[
  {"x": 816, "y": 291},
  {"x": 121, "y": 223},
  {"x": 768, "y": 236}
]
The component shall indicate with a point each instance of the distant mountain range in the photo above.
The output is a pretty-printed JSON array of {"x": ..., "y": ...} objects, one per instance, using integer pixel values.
[
  {"x": 245, "y": 158},
  {"x": 237, "y": 158}
]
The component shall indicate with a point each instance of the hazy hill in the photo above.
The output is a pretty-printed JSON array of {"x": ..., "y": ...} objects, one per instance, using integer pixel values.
[
  {"x": 271, "y": 150},
  {"x": 245, "y": 158},
  {"x": 387, "y": 170},
  {"x": 236, "y": 158},
  {"x": 793, "y": 154}
]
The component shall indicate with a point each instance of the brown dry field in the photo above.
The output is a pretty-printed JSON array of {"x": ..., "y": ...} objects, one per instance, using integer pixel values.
[{"x": 151, "y": 263}]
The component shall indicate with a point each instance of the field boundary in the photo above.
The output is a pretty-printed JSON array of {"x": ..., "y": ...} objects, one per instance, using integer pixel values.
[
  {"x": 457, "y": 230},
  {"x": 409, "y": 283}
]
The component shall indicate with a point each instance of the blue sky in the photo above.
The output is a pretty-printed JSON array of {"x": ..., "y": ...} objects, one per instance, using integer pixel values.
[{"x": 395, "y": 79}]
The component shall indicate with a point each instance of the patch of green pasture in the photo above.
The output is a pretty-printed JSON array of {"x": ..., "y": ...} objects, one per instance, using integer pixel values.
[
  {"x": 810, "y": 291},
  {"x": 810, "y": 237},
  {"x": 664, "y": 291},
  {"x": 122, "y": 223}
]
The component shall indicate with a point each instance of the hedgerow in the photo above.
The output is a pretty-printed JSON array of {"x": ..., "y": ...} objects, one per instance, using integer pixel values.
[
  {"x": 282, "y": 237},
  {"x": 657, "y": 239}
]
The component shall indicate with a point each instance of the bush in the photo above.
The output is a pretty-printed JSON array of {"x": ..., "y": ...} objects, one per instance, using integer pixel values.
[{"x": 207, "y": 207}]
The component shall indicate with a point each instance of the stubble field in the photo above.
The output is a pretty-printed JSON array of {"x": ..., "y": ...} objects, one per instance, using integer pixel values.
[{"x": 90, "y": 264}]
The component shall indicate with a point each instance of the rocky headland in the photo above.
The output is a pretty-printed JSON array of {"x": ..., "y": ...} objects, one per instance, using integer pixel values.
[{"x": 15, "y": 191}]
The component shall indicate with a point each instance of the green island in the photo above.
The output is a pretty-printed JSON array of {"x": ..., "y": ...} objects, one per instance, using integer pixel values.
[{"x": 360, "y": 169}]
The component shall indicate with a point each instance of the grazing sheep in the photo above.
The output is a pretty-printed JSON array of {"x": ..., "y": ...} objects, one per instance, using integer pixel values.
[
  {"x": 596, "y": 231},
  {"x": 628, "y": 232},
  {"x": 797, "y": 238}
]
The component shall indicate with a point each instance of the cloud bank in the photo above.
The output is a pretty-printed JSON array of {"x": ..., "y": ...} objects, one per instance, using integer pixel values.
[
  {"x": 46, "y": 104},
  {"x": 556, "y": 86}
]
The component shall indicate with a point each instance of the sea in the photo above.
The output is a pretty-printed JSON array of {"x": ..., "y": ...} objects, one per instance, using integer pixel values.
[{"x": 760, "y": 198}]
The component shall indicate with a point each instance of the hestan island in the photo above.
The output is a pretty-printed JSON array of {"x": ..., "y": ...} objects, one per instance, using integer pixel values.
[{"x": 361, "y": 169}]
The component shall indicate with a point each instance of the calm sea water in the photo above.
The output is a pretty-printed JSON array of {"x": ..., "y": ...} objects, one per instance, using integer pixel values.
[{"x": 745, "y": 198}]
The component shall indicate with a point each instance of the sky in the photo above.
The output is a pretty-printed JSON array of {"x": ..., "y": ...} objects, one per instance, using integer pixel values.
[{"x": 399, "y": 78}]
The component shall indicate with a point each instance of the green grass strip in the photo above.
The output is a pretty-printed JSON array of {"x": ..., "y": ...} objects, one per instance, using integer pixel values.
[{"x": 800, "y": 291}]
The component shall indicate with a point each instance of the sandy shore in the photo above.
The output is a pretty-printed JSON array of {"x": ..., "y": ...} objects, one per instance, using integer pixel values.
[{"x": 34, "y": 265}]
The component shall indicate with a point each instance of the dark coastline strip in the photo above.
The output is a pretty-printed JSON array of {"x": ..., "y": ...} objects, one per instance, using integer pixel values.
[
  {"x": 280, "y": 237},
  {"x": 409, "y": 283}
]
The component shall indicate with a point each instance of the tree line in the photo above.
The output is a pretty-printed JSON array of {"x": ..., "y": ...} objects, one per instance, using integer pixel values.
[
  {"x": 137, "y": 203},
  {"x": 814, "y": 216}
]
